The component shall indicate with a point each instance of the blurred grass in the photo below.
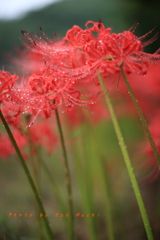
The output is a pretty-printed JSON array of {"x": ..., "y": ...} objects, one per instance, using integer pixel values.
[{"x": 88, "y": 189}]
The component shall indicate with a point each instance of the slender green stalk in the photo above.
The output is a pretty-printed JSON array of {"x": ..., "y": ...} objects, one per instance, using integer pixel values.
[
  {"x": 109, "y": 210},
  {"x": 124, "y": 151},
  {"x": 54, "y": 187},
  {"x": 53, "y": 184},
  {"x": 79, "y": 147},
  {"x": 105, "y": 180},
  {"x": 87, "y": 154},
  {"x": 36, "y": 175},
  {"x": 32, "y": 159},
  {"x": 67, "y": 175},
  {"x": 28, "y": 175},
  {"x": 96, "y": 159},
  {"x": 142, "y": 118}
]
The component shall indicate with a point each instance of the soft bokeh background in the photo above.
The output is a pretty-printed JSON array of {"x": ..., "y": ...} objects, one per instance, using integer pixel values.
[{"x": 58, "y": 16}]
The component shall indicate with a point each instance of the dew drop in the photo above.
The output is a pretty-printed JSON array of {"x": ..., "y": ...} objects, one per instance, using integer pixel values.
[
  {"x": 93, "y": 102},
  {"x": 8, "y": 96}
]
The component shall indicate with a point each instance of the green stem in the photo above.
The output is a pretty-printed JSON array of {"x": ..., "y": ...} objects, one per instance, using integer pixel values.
[
  {"x": 142, "y": 118},
  {"x": 103, "y": 173},
  {"x": 36, "y": 179},
  {"x": 67, "y": 175},
  {"x": 124, "y": 151},
  {"x": 53, "y": 184},
  {"x": 79, "y": 147},
  {"x": 88, "y": 151},
  {"x": 96, "y": 159},
  {"x": 28, "y": 175},
  {"x": 52, "y": 181},
  {"x": 104, "y": 176},
  {"x": 109, "y": 210},
  {"x": 32, "y": 160}
]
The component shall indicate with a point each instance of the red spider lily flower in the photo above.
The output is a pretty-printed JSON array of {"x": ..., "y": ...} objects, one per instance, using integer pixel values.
[
  {"x": 152, "y": 171},
  {"x": 81, "y": 53},
  {"x": 78, "y": 37},
  {"x": 50, "y": 87},
  {"x": 62, "y": 69},
  {"x": 150, "y": 162},
  {"x": 6, "y": 147},
  {"x": 45, "y": 92},
  {"x": 111, "y": 52},
  {"x": 120, "y": 50},
  {"x": 7, "y": 96},
  {"x": 148, "y": 96},
  {"x": 28, "y": 62},
  {"x": 38, "y": 93},
  {"x": 42, "y": 134},
  {"x": 6, "y": 83},
  {"x": 62, "y": 58}
]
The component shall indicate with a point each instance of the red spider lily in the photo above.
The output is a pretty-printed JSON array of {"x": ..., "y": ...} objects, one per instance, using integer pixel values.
[
  {"x": 63, "y": 59},
  {"x": 150, "y": 162},
  {"x": 93, "y": 113},
  {"x": 70, "y": 64},
  {"x": 149, "y": 100},
  {"x": 44, "y": 93},
  {"x": 6, "y": 83},
  {"x": 146, "y": 89},
  {"x": 7, "y": 96},
  {"x": 42, "y": 134},
  {"x": 120, "y": 50},
  {"x": 81, "y": 53},
  {"x": 28, "y": 62},
  {"x": 6, "y": 147},
  {"x": 39, "y": 93},
  {"x": 152, "y": 171},
  {"x": 55, "y": 90}
]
